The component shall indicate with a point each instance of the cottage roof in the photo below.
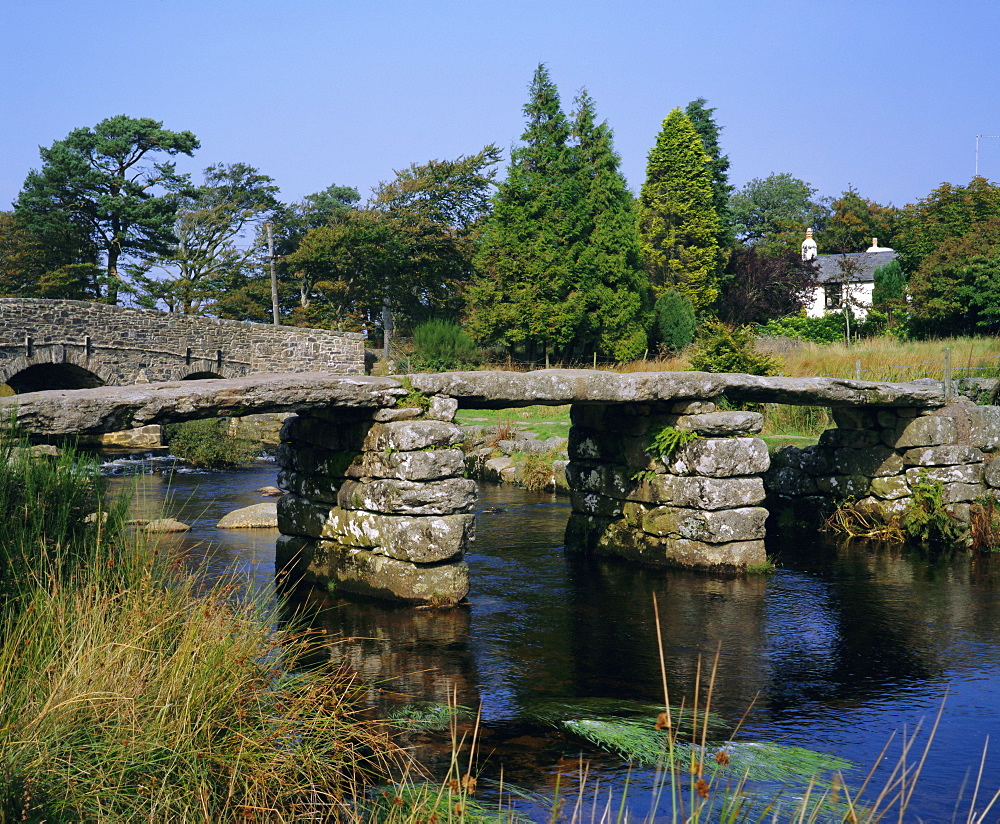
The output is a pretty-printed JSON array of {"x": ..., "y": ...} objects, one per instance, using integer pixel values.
[{"x": 859, "y": 265}]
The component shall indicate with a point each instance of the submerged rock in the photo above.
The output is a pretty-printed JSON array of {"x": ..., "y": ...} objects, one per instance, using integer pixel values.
[{"x": 256, "y": 516}]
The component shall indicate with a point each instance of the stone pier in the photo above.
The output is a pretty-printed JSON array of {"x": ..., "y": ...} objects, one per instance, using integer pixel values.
[{"x": 376, "y": 502}]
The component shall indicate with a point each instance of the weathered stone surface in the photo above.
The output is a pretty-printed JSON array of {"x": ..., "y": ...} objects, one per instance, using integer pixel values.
[
  {"x": 407, "y": 436},
  {"x": 874, "y": 461},
  {"x": 717, "y": 527},
  {"x": 947, "y": 455},
  {"x": 932, "y": 430},
  {"x": 368, "y": 573},
  {"x": 591, "y": 503},
  {"x": 160, "y": 525},
  {"x": 406, "y": 413},
  {"x": 964, "y": 474},
  {"x": 613, "y": 481},
  {"x": 700, "y": 493},
  {"x": 256, "y": 516},
  {"x": 991, "y": 474},
  {"x": 327, "y": 432},
  {"x": 849, "y": 438},
  {"x": 723, "y": 423},
  {"x": 959, "y": 492},
  {"x": 890, "y": 488},
  {"x": 442, "y": 409},
  {"x": 409, "y": 497},
  {"x": 144, "y": 437},
  {"x": 720, "y": 457},
  {"x": 113, "y": 408},
  {"x": 494, "y": 468},
  {"x": 790, "y": 481},
  {"x": 985, "y": 427},
  {"x": 855, "y": 418},
  {"x": 420, "y": 539},
  {"x": 844, "y": 486},
  {"x": 693, "y": 407},
  {"x": 313, "y": 487}
]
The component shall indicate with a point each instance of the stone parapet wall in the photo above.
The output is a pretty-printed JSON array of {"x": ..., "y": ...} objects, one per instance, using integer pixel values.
[
  {"x": 124, "y": 345},
  {"x": 376, "y": 502},
  {"x": 697, "y": 507},
  {"x": 876, "y": 456}
]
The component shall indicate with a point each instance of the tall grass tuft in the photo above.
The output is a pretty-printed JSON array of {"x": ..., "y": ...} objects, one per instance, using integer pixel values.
[{"x": 129, "y": 691}]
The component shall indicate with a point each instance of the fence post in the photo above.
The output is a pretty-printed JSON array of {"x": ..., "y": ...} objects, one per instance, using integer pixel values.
[
  {"x": 857, "y": 369},
  {"x": 947, "y": 374}
]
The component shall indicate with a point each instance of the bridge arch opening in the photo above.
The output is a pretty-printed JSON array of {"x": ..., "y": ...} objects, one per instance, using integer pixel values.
[
  {"x": 201, "y": 376},
  {"x": 44, "y": 376}
]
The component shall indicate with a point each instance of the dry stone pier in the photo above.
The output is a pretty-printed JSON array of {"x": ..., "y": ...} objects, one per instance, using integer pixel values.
[{"x": 376, "y": 501}]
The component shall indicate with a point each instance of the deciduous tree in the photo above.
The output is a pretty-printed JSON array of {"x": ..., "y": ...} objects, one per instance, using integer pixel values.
[
  {"x": 773, "y": 213},
  {"x": 758, "y": 287},
  {"x": 104, "y": 183},
  {"x": 855, "y": 221}
]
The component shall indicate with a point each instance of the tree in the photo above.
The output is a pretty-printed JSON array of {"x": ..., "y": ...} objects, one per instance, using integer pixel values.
[
  {"x": 436, "y": 211},
  {"x": 718, "y": 169},
  {"x": 98, "y": 183},
  {"x": 773, "y": 213},
  {"x": 213, "y": 248},
  {"x": 678, "y": 225},
  {"x": 33, "y": 265},
  {"x": 889, "y": 290},
  {"x": 558, "y": 267},
  {"x": 758, "y": 287},
  {"x": 855, "y": 222},
  {"x": 675, "y": 321}
]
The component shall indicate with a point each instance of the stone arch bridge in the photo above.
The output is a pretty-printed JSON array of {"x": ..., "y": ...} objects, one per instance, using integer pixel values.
[
  {"x": 376, "y": 501},
  {"x": 71, "y": 344}
]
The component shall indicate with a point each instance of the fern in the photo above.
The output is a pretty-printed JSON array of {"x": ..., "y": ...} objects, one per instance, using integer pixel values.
[{"x": 668, "y": 440}]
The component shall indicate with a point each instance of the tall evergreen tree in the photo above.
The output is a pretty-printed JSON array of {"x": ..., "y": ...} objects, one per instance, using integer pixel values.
[
  {"x": 718, "y": 168},
  {"x": 610, "y": 266},
  {"x": 558, "y": 269},
  {"x": 678, "y": 224},
  {"x": 523, "y": 296}
]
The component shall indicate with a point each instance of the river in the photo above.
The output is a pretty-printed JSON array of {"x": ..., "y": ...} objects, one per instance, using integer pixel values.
[{"x": 836, "y": 651}]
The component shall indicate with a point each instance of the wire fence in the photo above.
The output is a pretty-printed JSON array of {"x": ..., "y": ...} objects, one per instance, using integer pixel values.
[{"x": 941, "y": 369}]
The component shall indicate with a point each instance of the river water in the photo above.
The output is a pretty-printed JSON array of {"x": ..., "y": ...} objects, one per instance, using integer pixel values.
[{"x": 838, "y": 650}]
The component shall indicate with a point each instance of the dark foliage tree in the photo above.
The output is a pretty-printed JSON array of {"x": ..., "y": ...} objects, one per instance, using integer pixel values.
[
  {"x": 773, "y": 213},
  {"x": 675, "y": 321},
  {"x": 889, "y": 291},
  {"x": 558, "y": 269},
  {"x": 758, "y": 287},
  {"x": 103, "y": 184},
  {"x": 678, "y": 224},
  {"x": 45, "y": 265},
  {"x": 855, "y": 221},
  {"x": 215, "y": 228}
]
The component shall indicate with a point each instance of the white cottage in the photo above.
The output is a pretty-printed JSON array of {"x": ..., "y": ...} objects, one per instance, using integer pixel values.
[{"x": 844, "y": 279}]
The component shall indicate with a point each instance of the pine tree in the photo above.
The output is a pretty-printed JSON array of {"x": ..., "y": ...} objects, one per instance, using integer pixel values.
[
  {"x": 522, "y": 296},
  {"x": 610, "y": 267},
  {"x": 678, "y": 224},
  {"x": 718, "y": 168}
]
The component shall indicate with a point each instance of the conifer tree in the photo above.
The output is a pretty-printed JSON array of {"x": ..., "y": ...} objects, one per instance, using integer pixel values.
[
  {"x": 559, "y": 269},
  {"x": 610, "y": 267},
  {"x": 678, "y": 224},
  {"x": 718, "y": 167}
]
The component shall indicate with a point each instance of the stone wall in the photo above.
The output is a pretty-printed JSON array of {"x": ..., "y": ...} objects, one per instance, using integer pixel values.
[
  {"x": 376, "y": 502},
  {"x": 697, "y": 507},
  {"x": 875, "y": 456},
  {"x": 123, "y": 345}
]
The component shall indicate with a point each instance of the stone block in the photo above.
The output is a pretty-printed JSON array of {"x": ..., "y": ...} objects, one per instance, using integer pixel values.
[
  {"x": 720, "y": 458},
  {"x": 960, "y": 492},
  {"x": 618, "y": 539},
  {"x": 364, "y": 572},
  {"x": 716, "y": 527},
  {"x": 426, "y": 465},
  {"x": 874, "y": 461},
  {"x": 948, "y": 455},
  {"x": 697, "y": 492},
  {"x": 591, "y": 503},
  {"x": 494, "y": 467},
  {"x": 962, "y": 474},
  {"x": 788, "y": 480},
  {"x": 848, "y": 438},
  {"x": 613, "y": 481},
  {"x": 722, "y": 423},
  {"x": 442, "y": 408},
  {"x": 844, "y": 486},
  {"x": 446, "y": 497},
  {"x": 394, "y": 414},
  {"x": 313, "y": 487},
  {"x": 984, "y": 427},
  {"x": 932, "y": 430},
  {"x": 991, "y": 474},
  {"x": 853, "y": 417},
  {"x": 409, "y": 436},
  {"x": 890, "y": 488},
  {"x": 420, "y": 539},
  {"x": 693, "y": 407}
]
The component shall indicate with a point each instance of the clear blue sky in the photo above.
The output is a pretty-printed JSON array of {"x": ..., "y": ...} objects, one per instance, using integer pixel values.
[{"x": 887, "y": 96}]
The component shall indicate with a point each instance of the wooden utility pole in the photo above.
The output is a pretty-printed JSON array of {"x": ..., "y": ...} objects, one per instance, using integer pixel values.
[{"x": 274, "y": 276}]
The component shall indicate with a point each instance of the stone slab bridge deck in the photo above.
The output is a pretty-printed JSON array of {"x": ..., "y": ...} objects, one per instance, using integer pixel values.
[{"x": 376, "y": 501}]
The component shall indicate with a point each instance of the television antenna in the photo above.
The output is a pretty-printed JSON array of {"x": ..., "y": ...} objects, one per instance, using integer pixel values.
[{"x": 978, "y": 136}]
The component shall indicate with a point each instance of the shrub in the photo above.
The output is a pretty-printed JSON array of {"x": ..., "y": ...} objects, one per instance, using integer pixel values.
[
  {"x": 440, "y": 345},
  {"x": 675, "y": 320},
  {"x": 722, "y": 348},
  {"x": 207, "y": 443}
]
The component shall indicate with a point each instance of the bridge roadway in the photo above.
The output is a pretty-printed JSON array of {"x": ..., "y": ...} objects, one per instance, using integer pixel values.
[{"x": 113, "y": 408}]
